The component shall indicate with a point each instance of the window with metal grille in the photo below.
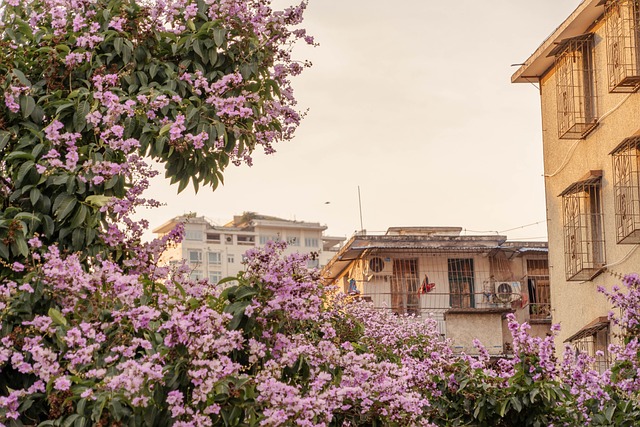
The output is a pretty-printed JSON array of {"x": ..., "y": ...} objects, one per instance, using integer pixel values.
[
  {"x": 623, "y": 36},
  {"x": 593, "y": 340},
  {"x": 626, "y": 190},
  {"x": 583, "y": 232},
  {"x": 576, "y": 91},
  {"x": 461, "y": 282},
  {"x": 539, "y": 291},
  {"x": 404, "y": 287}
]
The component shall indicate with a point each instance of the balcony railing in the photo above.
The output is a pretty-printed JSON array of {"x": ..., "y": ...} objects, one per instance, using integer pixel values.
[
  {"x": 439, "y": 302},
  {"x": 540, "y": 311}
]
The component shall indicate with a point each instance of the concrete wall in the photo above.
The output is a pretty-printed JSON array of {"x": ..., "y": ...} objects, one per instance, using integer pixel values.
[{"x": 464, "y": 327}]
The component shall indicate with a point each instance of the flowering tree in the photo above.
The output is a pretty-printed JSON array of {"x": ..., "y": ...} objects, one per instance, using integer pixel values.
[
  {"x": 91, "y": 87},
  {"x": 96, "y": 332}
]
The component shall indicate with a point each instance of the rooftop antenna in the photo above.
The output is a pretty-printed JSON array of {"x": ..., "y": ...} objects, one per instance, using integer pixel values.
[{"x": 360, "y": 206}]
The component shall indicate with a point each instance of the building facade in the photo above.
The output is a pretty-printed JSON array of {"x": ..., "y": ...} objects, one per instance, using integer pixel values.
[
  {"x": 588, "y": 72},
  {"x": 466, "y": 283},
  {"x": 214, "y": 252}
]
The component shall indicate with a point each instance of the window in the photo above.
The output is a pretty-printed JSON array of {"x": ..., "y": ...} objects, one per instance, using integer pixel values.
[
  {"x": 195, "y": 256},
  {"x": 313, "y": 263},
  {"x": 593, "y": 340},
  {"x": 215, "y": 258},
  {"x": 576, "y": 94},
  {"x": 623, "y": 62},
  {"x": 461, "y": 282},
  {"x": 311, "y": 242},
  {"x": 538, "y": 286},
  {"x": 404, "y": 287},
  {"x": 213, "y": 237},
  {"x": 193, "y": 235},
  {"x": 245, "y": 240},
  {"x": 626, "y": 190},
  {"x": 215, "y": 277},
  {"x": 265, "y": 239},
  {"x": 293, "y": 240},
  {"x": 583, "y": 232},
  {"x": 196, "y": 275},
  {"x": 231, "y": 258}
]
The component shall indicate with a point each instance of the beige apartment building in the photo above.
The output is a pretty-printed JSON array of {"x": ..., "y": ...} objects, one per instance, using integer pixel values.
[
  {"x": 214, "y": 252},
  {"x": 588, "y": 73},
  {"x": 466, "y": 283}
]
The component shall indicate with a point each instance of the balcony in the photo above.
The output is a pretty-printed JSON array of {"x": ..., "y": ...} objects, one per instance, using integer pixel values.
[{"x": 430, "y": 303}]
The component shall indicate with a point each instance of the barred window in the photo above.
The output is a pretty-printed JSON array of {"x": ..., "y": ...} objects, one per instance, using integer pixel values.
[
  {"x": 583, "y": 230},
  {"x": 576, "y": 94},
  {"x": 593, "y": 340},
  {"x": 539, "y": 290},
  {"x": 626, "y": 190},
  {"x": 622, "y": 35}
]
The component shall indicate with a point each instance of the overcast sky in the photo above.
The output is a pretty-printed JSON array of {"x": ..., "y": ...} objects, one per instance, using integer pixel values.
[{"x": 411, "y": 100}]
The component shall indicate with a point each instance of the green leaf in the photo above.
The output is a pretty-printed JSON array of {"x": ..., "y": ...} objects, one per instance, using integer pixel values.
[
  {"x": 99, "y": 200},
  {"x": 503, "y": 408},
  {"x": 219, "y": 36},
  {"x": 57, "y": 317},
  {"x": 4, "y": 251},
  {"x": 197, "y": 48},
  {"x": 4, "y": 139},
  {"x": 64, "y": 205},
  {"x": 27, "y": 105},
  {"x": 23, "y": 171},
  {"x": 21, "y": 77},
  {"x": 164, "y": 129},
  {"x": 18, "y": 155},
  {"x": 118, "y": 42},
  {"x": 213, "y": 56},
  {"x": 79, "y": 216}
]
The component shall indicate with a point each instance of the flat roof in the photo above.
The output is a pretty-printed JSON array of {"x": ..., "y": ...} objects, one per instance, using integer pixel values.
[{"x": 579, "y": 22}]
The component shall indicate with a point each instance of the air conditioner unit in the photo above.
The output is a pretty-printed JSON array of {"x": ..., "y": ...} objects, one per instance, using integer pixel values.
[
  {"x": 508, "y": 291},
  {"x": 378, "y": 266}
]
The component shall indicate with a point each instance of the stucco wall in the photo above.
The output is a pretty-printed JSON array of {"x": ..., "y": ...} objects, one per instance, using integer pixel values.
[
  {"x": 463, "y": 328},
  {"x": 575, "y": 304}
]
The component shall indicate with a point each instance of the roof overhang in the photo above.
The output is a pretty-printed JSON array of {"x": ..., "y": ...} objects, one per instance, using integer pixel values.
[
  {"x": 592, "y": 177},
  {"x": 360, "y": 245},
  {"x": 592, "y": 328},
  {"x": 579, "y": 22}
]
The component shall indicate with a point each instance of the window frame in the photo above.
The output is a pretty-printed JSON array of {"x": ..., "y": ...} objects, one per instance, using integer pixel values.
[
  {"x": 214, "y": 262},
  {"x": 593, "y": 338},
  {"x": 622, "y": 29},
  {"x": 583, "y": 228},
  {"x": 625, "y": 160},
  {"x": 198, "y": 258},
  {"x": 575, "y": 87}
]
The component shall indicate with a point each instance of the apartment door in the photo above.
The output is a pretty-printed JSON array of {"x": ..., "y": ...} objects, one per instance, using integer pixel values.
[
  {"x": 404, "y": 287},
  {"x": 461, "y": 283}
]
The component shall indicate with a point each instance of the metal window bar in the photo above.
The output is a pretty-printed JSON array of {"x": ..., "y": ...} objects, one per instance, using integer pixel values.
[
  {"x": 539, "y": 290},
  {"x": 626, "y": 190},
  {"x": 623, "y": 46},
  {"x": 583, "y": 232},
  {"x": 461, "y": 282},
  {"x": 428, "y": 281},
  {"x": 404, "y": 287},
  {"x": 576, "y": 94},
  {"x": 596, "y": 346}
]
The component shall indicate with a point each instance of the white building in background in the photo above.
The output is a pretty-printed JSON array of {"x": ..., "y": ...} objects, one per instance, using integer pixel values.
[{"x": 215, "y": 252}]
